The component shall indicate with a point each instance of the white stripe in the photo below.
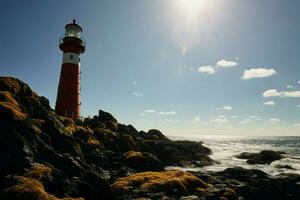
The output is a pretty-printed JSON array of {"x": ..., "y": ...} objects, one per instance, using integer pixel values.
[{"x": 71, "y": 58}]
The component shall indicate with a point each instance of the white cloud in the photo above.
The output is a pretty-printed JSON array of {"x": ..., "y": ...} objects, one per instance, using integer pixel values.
[
  {"x": 291, "y": 93},
  {"x": 137, "y": 94},
  {"x": 237, "y": 58},
  {"x": 298, "y": 106},
  {"x": 226, "y": 63},
  {"x": 274, "y": 120},
  {"x": 225, "y": 108},
  {"x": 233, "y": 116},
  {"x": 149, "y": 111},
  {"x": 271, "y": 93},
  {"x": 253, "y": 117},
  {"x": 221, "y": 119},
  {"x": 211, "y": 69},
  {"x": 142, "y": 114},
  {"x": 258, "y": 73},
  {"x": 206, "y": 69},
  {"x": 172, "y": 120},
  {"x": 196, "y": 119},
  {"x": 245, "y": 121},
  {"x": 275, "y": 93},
  {"x": 269, "y": 103},
  {"x": 289, "y": 86},
  {"x": 299, "y": 82},
  {"x": 134, "y": 83},
  {"x": 167, "y": 113}
]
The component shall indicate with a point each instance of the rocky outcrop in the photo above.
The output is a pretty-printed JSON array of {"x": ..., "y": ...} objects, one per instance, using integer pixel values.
[
  {"x": 179, "y": 153},
  {"x": 45, "y": 156},
  {"x": 263, "y": 157},
  {"x": 252, "y": 184}
]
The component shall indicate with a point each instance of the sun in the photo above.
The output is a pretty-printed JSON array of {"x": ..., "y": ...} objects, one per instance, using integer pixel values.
[
  {"x": 192, "y": 7},
  {"x": 191, "y": 20}
]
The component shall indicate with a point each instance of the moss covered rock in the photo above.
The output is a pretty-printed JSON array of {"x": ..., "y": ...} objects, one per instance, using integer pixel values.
[
  {"x": 142, "y": 161},
  {"x": 167, "y": 181}
]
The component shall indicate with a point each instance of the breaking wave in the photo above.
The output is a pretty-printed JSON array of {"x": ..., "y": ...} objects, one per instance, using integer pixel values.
[{"x": 225, "y": 148}]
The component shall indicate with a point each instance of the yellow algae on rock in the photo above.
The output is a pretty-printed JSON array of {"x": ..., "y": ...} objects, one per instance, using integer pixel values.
[{"x": 159, "y": 181}]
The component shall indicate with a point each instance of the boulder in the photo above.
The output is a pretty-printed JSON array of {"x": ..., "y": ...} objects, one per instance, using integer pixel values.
[
  {"x": 153, "y": 134},
  {"x": 263, "y": 157},
  {"x": 106, "y": 116},
  {"x": 142, "y": 161}
]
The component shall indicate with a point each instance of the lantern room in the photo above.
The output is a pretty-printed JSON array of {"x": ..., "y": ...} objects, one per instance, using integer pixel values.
[
  {"x": 73, "y": 30},
  {"x": 72, "y": 41}
]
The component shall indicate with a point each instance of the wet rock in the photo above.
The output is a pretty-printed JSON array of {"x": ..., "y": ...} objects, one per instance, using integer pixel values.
[
  {"x": 229, "y": 194},
  {"x": 191, "y": 197},
  {"x": 263, "y": 157},
  {"x": 285, "y": 167},
  {"x": 251, "y": 184},
  {"x": 179, "y": 153}
]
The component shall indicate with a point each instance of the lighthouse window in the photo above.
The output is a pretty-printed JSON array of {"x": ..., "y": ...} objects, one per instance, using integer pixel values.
[{"x": 71, "y": 56}]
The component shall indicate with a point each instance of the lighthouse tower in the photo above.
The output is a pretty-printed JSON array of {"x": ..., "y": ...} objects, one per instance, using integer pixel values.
[{"x": 68, "y": 94}]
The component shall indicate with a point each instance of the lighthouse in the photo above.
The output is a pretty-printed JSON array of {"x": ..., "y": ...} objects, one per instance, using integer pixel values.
[{"x": 68, "y": 95}]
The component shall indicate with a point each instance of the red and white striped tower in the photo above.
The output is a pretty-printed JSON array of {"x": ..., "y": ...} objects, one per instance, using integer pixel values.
[{"x": 68, "y": 94}]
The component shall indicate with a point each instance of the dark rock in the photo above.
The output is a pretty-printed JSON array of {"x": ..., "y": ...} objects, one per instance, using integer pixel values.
[
  {"x": 153, "y": 134},
  {"x": 179, "y": 153},
  {"x": 105, "y": 116},
  {"x": 242, "y": 174},
  {"x": 251, "y": 184},
  {"x": 263, "y": 157},
  {"x": 113, "y": 126},
  {"x": 142, "y": 161},
  {"x": 92, "y": 185},
  {"x": 127, "y": 129},
  {"x": 285, "y": 167},
  {"x": 191, "y": 197}
]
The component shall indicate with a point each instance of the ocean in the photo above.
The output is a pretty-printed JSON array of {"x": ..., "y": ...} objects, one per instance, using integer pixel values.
[{"x": 225, "y": 148}]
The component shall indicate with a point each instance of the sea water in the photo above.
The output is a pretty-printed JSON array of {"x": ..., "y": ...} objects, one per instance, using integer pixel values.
[{"x": 225, "y": 148}]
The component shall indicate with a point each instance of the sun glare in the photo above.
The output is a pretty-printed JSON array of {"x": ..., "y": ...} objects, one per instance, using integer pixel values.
[
  {"x": 192, "y": 8},
  {"x": 190, "y": 20}
]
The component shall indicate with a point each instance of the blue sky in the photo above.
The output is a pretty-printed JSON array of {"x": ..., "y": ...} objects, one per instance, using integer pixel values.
[{"x": 182, "y": 66}]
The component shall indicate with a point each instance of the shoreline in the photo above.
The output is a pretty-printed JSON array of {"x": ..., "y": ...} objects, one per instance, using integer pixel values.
[{"x": 46, "y": 156}]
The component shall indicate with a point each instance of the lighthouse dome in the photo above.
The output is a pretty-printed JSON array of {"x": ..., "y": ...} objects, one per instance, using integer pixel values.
[
  {"x": 73, "y": 30},
  {"x": 72, "y": 41}
]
